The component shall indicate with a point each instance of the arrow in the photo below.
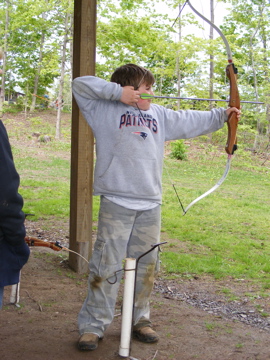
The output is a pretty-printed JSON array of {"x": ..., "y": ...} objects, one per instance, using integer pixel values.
[{"x": 148, "y": 96}]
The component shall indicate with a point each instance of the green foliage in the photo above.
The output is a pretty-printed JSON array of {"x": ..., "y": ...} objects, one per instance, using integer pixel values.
[
  {"x": 135, "y": 31},
  {"x": 34, "y": 44},
  {"x": 178, "y": 150},
  {"x": 12, "y": 108}
]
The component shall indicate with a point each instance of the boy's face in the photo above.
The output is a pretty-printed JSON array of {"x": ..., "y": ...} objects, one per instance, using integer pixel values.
[{"x": 145, "y": 89}]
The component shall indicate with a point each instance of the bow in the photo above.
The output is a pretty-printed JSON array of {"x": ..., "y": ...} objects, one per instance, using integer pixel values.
[
  {"x": 231, "y": 144},
  {"x": 56, "y": 246},
  {"x": 32, "y": 241}
]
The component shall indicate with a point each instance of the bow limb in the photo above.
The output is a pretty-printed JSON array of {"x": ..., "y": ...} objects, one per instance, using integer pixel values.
[
  {"x": 229, "y": 53},
  {"x": 231, "y": 144},
  {"x": 32, "y": 241},
  {"x": 220, "y": 181},
  {"x": 56, "y": 246}
]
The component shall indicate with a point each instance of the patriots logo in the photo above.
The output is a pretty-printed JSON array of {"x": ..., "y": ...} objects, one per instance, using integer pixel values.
[{"x": 141, "y": 133}]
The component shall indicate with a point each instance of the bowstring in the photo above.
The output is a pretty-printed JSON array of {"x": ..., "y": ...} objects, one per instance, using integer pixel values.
[
  {"x": 175, "y": 190},
  {"x": 180, "y": 11},
  {"x": 172, "y": 183},
  {"x": 74, "y": 252},
  {"x": 143, "y": 121}
]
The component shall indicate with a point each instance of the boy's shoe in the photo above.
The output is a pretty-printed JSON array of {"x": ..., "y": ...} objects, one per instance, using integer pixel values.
[
  {"x": 146, "y": 334},
  {"x": 88, "y": 342}
]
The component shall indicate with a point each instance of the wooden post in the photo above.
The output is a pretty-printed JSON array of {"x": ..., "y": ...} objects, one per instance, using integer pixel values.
[{"x": 82, "y": 143}]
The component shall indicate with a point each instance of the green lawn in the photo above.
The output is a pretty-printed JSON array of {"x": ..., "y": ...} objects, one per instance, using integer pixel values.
[{"x": 226, "y": 234}]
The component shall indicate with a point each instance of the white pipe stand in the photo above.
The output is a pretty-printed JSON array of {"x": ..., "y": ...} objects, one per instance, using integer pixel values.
[
  {"x": 15, "y": 294},
  {"x": 127, "y": 309}
]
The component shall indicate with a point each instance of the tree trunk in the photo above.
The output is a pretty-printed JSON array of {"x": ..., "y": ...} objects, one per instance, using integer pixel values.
[
  {"x": 71, "y": 41},
  {"x": 255, "y": 144},
  {"x": 263, "y": 34},
  {"x": 4, "y": 55},
  {"x": 211, "y": 69},
  {"x": 267, "y": 79},
  {"x": 178, "y": 71},
  {"x": 33, "y": 105},
  {"x": 61, "y": 82},
  {"x": 42, "y": 42}
]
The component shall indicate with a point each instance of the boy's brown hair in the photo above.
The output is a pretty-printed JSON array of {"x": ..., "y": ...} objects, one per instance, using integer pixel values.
[{"x": 132, "y": 75}]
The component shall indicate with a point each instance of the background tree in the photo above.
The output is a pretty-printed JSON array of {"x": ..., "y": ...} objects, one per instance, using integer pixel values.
[
  {"x": 4, "y": 31},
  {"x": 39, "y": 53},
  {"x": 65, "y": 40}
]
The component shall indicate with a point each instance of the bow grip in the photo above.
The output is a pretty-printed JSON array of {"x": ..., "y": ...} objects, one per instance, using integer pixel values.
[
  {"x": 231, "y": 144},
  {"x": 234, "y": 101}
]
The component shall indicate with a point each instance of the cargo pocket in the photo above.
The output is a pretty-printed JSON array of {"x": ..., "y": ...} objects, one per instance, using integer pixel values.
[{"x": 102, "y": 263}]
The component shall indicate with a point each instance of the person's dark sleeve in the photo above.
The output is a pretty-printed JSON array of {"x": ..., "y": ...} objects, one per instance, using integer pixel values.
[{"x": 11, "y": 202}]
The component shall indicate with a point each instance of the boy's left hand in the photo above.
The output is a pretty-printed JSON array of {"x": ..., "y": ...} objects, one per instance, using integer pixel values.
[{"x": 234, "y": 109}]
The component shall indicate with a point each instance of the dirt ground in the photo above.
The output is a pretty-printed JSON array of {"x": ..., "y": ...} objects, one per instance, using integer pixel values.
[{"x": 194, "y": 317}]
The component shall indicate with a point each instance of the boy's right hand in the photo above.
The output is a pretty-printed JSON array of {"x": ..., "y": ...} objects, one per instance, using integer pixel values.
[{"x": 130, "y": 96}]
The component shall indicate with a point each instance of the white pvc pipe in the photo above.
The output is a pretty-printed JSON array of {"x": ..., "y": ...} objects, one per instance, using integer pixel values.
[
  {"x": 127, "y": 309},
  {"x": 15, "y": 294}
]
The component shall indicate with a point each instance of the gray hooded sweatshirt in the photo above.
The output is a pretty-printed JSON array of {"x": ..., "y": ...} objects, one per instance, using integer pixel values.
[{"x": 130, "y": 142}]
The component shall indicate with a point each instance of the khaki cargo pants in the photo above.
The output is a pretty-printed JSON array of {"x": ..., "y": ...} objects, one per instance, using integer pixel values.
[{"x": 121, "y": 233}]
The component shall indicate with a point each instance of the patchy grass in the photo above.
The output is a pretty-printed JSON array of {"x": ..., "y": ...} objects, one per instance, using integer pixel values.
[{"x": 226, "y": 234}]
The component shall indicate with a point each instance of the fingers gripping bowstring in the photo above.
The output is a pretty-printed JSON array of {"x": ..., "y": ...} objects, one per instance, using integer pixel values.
[{"x": 136, "y": 88}]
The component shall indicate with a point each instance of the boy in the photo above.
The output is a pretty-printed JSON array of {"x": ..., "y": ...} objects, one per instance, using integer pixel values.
[{"x": 130, "y": 135}]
